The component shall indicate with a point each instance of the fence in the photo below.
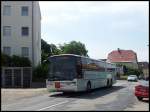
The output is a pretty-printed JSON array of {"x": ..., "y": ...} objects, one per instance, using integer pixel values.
[{"x": 16, "y": 77}]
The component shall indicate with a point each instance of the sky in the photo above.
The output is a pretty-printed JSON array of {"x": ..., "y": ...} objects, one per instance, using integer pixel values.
[{"x": 103, "y": 26}]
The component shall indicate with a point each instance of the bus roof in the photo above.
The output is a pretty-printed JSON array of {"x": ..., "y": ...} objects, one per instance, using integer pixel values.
[
  {"x": 67, "y": 55},
  {"x": 75, "y": 56},
  {"x": 81, "y": 57}
]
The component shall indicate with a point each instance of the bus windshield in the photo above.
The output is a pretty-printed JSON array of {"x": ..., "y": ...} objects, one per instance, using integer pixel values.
[{"x": 62, "y": 68}]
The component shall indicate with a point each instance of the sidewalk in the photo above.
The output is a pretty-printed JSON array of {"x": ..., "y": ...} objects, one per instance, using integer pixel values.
[
  {"x": 139, "y": 106},
  {"x": 9, "y": 95}
]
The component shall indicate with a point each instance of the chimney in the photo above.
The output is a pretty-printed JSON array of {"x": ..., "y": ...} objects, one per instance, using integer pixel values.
[{"x": 118, "y": 50}]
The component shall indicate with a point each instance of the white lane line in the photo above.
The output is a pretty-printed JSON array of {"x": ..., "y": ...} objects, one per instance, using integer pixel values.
[{"x": 53, "y": 105}]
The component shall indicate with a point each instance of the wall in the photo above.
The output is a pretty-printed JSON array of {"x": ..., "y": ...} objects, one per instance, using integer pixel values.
[
  {"x": 37, "y": 33},
  {"x": 16, "y": 21}
]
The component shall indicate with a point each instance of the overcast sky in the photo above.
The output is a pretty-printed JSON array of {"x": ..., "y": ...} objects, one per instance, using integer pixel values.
[{"x": 101, "y": 26}]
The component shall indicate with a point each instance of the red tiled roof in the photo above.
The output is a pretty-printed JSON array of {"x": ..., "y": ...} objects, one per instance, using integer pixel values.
[{"x": 122, "y": 56}]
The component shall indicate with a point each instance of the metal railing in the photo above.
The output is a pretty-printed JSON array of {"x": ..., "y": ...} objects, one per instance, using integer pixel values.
[{"x": 13, "y": 77}]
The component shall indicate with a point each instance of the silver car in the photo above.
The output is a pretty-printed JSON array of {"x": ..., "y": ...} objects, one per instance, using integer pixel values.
[{"x": 132, "y": 78}]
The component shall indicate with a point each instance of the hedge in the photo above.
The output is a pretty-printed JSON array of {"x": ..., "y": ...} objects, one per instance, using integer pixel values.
[
  {"x": 40, "y": 73},
  {"x": 14, "y": 61}
]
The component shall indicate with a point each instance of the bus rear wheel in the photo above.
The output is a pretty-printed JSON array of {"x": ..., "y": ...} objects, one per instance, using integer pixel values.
[
  {"x": 107, "y": 83},
  {"x": 110, "y": 83}
]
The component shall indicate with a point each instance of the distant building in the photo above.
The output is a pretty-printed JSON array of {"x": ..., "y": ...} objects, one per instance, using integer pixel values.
[
  {"x": 119, "y": 69},
  {"x": 144, "y": 66},
  {"x": 126, "y": 57},
  {"x": 21, "y": 29}
]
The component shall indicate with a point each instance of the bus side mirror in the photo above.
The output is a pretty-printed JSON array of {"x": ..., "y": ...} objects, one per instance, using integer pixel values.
[{"x": 45, "y": 61}]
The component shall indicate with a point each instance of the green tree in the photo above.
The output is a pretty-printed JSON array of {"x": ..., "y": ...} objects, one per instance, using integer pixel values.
[
  {"x": 40, "y": 73},
  {"x": 54, "y": 49},
  {"x": 74, "y": 47},
  {"x": 129, "y": 70},
  {"x": 45, "y": 47},
  {"x": 48, "y": 50}
]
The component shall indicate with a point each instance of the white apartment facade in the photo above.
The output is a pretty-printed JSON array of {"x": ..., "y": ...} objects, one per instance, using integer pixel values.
[{"x": 21, "y": 29}]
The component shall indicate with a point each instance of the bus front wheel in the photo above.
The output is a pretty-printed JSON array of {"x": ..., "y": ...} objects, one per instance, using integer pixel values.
[
  {"x": 107, "y": 83},
  {"x": 88, "y": 88}
]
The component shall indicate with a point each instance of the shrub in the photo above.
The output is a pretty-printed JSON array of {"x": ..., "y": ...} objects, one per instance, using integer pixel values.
[
  {"x": 131, "y": 71},
  {"x": 20, "y": 61},
  {"x": 14, "y": 61},
  {"x": 6, "y": 60},
  {"x": 40, "y": 73}
]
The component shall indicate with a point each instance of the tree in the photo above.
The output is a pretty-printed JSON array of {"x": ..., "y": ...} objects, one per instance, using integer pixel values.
[
  {"x": 45, "y": 47},
  {"x": 73, "y": 47},
  {"x": 48, "y": 50},
  {"x": 54, "y": 49},
  {"x": 40, "y": 73},
  {"x": 131, "y": 71}
]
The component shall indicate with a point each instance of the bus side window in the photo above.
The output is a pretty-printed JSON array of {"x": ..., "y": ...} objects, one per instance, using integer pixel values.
[
  {"x": 84, "y": 63},
  {"x": 79, "y": 69}
]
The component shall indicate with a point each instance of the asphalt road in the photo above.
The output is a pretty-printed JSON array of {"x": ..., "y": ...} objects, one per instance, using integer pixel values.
[{"x": 118, "y": 97}]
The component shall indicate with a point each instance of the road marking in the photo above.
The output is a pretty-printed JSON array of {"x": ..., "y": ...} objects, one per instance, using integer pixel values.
[{"x": 53, "y": 105}]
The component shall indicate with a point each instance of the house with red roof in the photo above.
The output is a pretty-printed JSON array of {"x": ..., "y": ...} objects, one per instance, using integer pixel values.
[{"x": 125, "y": 57}]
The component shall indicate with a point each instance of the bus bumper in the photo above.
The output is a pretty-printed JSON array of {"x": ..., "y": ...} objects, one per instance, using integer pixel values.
[{"x": 63, "y": 86}]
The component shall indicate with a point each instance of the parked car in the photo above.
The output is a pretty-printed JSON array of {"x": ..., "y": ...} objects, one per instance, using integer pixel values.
[
  {"x": 132, "y": 78},
  {"x": 142, "y": 90}
]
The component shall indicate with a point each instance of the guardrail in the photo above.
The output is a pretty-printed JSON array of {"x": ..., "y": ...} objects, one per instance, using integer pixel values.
[{"x": 12, "y": 77}]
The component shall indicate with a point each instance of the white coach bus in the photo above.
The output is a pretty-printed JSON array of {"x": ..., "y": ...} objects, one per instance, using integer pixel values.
[{"x": 70, "y": 72}]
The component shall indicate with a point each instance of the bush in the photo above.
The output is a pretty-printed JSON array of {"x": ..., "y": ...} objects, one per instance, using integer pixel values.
[
  {"x": 20, "y": 61},
  {"x": 14, "y": 61},
  {"x": 40, "y": 73},
  {"x": 131, "y": 71},
  {"x": 6, "y": 60}
]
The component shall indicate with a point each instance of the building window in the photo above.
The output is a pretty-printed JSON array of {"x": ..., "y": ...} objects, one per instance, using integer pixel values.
[
  {"x": 25, "y": 31},
  {"x": 25, "y": 51},
  {"x": 7, "y": 31},
  {"x": 24, "y": 11},
  {"x": 7, "y": 50},
  {"x": 7, "y": 10}
]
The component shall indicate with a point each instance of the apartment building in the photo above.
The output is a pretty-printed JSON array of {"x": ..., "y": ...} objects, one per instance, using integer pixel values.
[{"x": 21, "y": 29}]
